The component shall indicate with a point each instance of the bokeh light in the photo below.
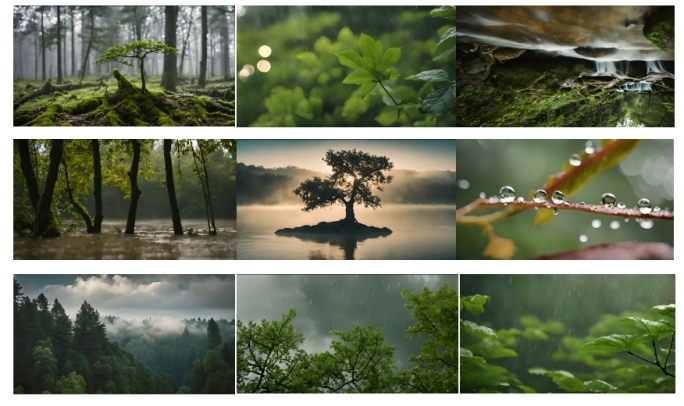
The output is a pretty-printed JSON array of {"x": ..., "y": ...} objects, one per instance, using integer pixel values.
[
  {"x": 265, "y": 51},
  {"x": 264, "y": 66}
]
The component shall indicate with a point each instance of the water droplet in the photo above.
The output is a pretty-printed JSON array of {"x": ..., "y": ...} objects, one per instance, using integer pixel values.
[
  {"x": 463, "y": 184},
  {"x": 582, "y": 204},
  {"x": 656, "y": 209},
  {"x": 575, "y": 160},
  {"x": 483, "y": 195},
  {"x": 539, "y": 196},
  {"x": 608, "y": 200},
  {"x": 583, "y": 238},
  {"x": 557, "y": 197},
  {"x": 644, "y": 206},
  {"x": 626, "y": 220},
  {"x": 614, "y": 224},
  {"x": 596, "y": 223},
  {"x": 646, "y": 223},
  {"x": 520, "y": 199},
  {"x": 507, "y": 194},
  {"x": 621, "y": 206},
  {"x": 555, "y": 212}
]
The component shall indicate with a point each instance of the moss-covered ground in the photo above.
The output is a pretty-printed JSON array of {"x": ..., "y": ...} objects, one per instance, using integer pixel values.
[{"x": 119, "y": 101}]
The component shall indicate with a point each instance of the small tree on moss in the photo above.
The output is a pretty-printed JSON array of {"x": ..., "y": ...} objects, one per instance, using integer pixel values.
[{"x": 138, "y": 50}]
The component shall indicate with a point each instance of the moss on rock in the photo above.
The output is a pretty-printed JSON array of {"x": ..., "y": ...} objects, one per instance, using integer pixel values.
[{"x": 660, "y": 29}]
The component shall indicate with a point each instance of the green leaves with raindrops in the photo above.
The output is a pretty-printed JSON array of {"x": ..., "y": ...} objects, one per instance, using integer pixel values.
[
  {"x": 573, "y": 178},
  {"x": 372, "y": 67},
  {"x": 474, "y": 304},
  {"x": 614, "y": 343},
  {"x": 657, "y": 330},
  {"x": 665, "y": 310}
]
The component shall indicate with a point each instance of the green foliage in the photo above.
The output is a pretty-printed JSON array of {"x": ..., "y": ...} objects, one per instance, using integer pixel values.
[
  {"x": 136, "y": 50},
  {"x": 601, "y": 369},
  {"x": 270, "y": 360},
  {"x": 373, "y": 68}
]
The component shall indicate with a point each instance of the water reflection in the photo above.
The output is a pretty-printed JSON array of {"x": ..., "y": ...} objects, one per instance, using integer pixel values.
[
  {"x": 347, "y": 243},
  {"x": 153, "y": 239}
]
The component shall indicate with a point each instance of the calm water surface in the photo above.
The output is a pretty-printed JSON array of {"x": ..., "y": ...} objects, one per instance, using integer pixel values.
[
  {"x": 418, "y": 232},
  {"x": 153, "y": 239}
]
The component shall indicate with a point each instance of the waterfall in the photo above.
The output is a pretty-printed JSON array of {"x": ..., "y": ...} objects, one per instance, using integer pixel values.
[
  {"x": 606, "y": 68},
  {"x": 636, "y": 87},
  {"x": 654, "y": 67}
]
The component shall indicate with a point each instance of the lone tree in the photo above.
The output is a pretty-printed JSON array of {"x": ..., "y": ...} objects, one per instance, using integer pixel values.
[
  {"x": 136, "y": 50},
  {"x": 354, "y": 174}
]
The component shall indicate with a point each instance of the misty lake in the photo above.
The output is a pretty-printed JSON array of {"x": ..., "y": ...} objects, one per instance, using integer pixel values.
[
  {"x": 153, "y": 239},
  {"x": 418, "y": 232}
]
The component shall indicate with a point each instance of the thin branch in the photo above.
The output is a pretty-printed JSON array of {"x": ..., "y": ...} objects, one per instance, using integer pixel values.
[
  {"x": 388, "y": 93},
  {"x": 515, "y": 207},
  {"x": 670, "y": 350}
]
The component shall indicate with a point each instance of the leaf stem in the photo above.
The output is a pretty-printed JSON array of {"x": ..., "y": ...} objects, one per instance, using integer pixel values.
[
  {"x": 514, "y": 207},
  {"x": 388, "y": 93}
]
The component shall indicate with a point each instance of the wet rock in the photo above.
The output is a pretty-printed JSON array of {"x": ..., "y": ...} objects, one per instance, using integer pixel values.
[
  {"x": 505, "y": 54},
  {"x": 660, "y": 29},
  {"x": 591, "y": 52}
]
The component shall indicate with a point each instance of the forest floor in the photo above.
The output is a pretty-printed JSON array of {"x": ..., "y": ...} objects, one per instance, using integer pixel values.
[{"x": 108, "y": 101}]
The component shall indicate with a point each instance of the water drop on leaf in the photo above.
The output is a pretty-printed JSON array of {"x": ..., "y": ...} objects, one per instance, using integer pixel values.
[
  {"x": 644, "y": 206},
  {"x": 557, "y": 197},
  {"x": 507, "y": 194},
  {"x": 539, "y": 196},
  {"x": 608, "y": 200},
  {"x": 575, "y": 160}
]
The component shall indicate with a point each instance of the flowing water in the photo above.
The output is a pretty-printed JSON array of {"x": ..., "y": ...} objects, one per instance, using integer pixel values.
[
  {"x": 153, "y": 239},
  {"x": 418, "y": 232}
]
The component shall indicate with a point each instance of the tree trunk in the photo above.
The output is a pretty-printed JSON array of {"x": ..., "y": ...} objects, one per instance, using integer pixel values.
[
  {"x": 170, "y": 73},
  {"x": 29, "y": 174},
  {"x": 73, "y": 43},
  {"x": 45, "y": 225},
  {"x": 202, "y": 81},
  {"x": 349, "y": 212},
  {"x": 226, "y": 47},
  {"x": 59, "y": 45},
  {"x": 206, "y": 177},
  {"x": 90, "y": 43},
  {"x": 185, "y": 43},
  {"x": 142, "y": 74},
  {"x": 42, "y": 42},
  {"x": 201, "y": 179},
  {"x": 97, "y": 169},
  {"x": 77, "y": 206},
  {"x": 135, "y": 190},
  {"x": 175, "y": 213}
]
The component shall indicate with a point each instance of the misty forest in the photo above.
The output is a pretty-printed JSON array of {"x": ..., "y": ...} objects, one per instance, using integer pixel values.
[
  {"x": 124, "y": 65},
  {"x": 360, "y": 208},
  {"x": 565, "y": 199},
  {"x": 124, "y": 199},
  {"x": 569, "y": 66},
  {"x": 567, "y": 333},
  {"x": 275, "y": 357},
  {"x": 107, "y": 355},
  {"x": 316, "y": 66}
]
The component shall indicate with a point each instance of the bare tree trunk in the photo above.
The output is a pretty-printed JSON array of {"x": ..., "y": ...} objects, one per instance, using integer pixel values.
[
  {"x": 27, "y": 170},
  {"x": 175, "y": 213},
  {"x": 59, "y": 45},
  {"x": 203, "y": 62},
  {"x": 206, "y": 177},
  {"x": 170, "y": 74},
  {"x": 77, "y": 206},
  {"x": 42, "y": 41},
  {"x": 97, "y": 180},
  {"x": 185, "y": 42},
  {"x": 201, "y": 179},
  {"x": 73, "y": 43},
  {"x": 135, "y": 190},
  {"x": 90, "y": 44},
  {"x": 45, "y": 223}
]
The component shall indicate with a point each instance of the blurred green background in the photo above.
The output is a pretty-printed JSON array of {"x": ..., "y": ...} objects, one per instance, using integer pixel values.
[
  {"x": 487, "y": 165},
  {"x": 577, "y": 301},
  {"x": 297, "y": 74}
]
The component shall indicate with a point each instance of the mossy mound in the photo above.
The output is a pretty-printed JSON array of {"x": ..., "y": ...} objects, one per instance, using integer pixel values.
[
  {"x": 340, "y": 227},
  {"x": 129, "y": 106},
  {"x": 660, "y": 29}
]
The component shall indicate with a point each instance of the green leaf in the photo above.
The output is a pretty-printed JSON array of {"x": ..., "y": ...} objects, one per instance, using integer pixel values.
[
  {"x": 476, "y": 330},
  {"x": 309, "y": 59},
  {"x": 526, "y": 389},
  {"x": 440, "y": 101},
  {"x": 599, "y": 386},
  {"x": 474, "y": 304},
  {"x": 359, "y": 78},
  {"x": 535, "y": 334},
  {"x": 366, "y": 88},
  {"x": 390, "y": 57},
  {"x": 450, "y": 33},
  {"x": 665, "y": 310},
  {"x": 435, "y": 75},
  {"x": 411, "y": 101},
  {"x": 371, "y": 50},
  {"x": 537, "y": 371},
  {"x": 614, "y": 343},
  {"x": 656, "y": 330},
  {"x": 391, "y": 74},
  {"x": 353, "y": 60},
  {"x": 572, "y": 385},
  {"x": 501, "y": 352},
  {"x": 386, "y": 117},
  {"x": 584, "y": 173},
  {"x": 444, "y": 11}
]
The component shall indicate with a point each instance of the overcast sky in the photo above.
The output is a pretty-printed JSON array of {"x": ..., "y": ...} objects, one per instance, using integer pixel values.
[
  {"x": 419, "y": 155},
  {"x": 324, "y": 302},
  {"x": 138, "y": 296}
]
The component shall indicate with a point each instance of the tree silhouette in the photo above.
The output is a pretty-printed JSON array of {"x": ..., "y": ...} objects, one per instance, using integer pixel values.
[{"x": 354, "y": 174}]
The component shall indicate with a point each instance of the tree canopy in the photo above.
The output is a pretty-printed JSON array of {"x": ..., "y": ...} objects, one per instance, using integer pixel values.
[{"x": 354, "y": 175}]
